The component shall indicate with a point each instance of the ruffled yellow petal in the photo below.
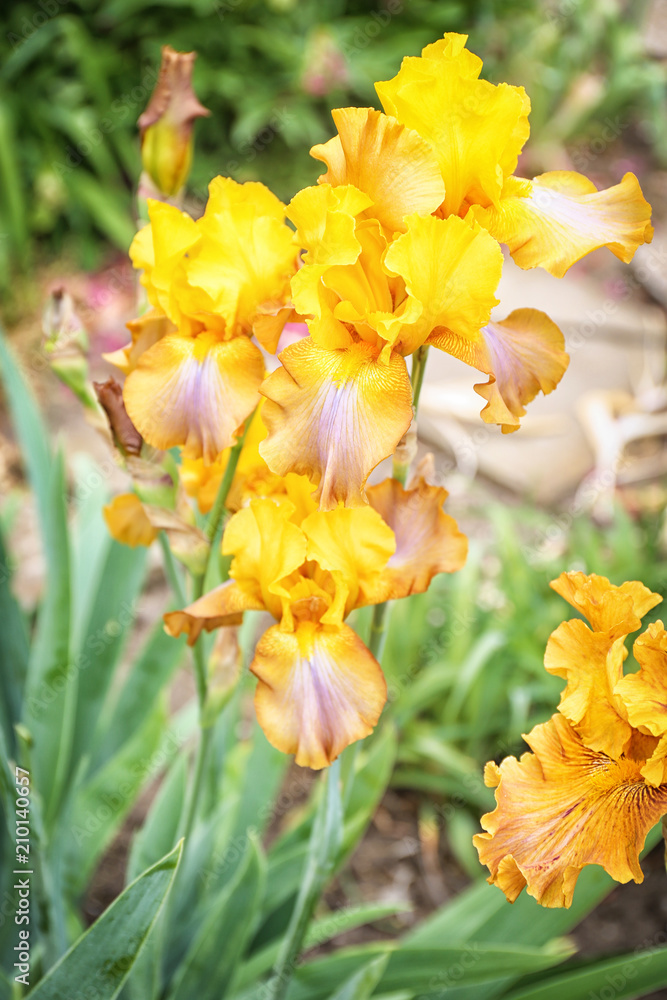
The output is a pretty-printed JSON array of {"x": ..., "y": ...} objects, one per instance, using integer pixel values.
[
  {"x": 524, "y": 355},
  {"x": 644, "y": 694},
  {"x": 559, "y": 217},
  {"x": 608, "y": 608},
  {"x": 319, "y": 690},
  {"x": 246, "y": 256},
  {"x": 476, "y": 129},
  {"x": 355, "y": 545},
  {"x": 267, "y": 548},
  {"x": 222, "y": 606},
  {"x": 390, "y": 163},
  {"x": 324, "y": 217},
  {"x": 427, "y": 540},
  {"x": 127, "y": 521},
  {"x": 159, "y": 250},
  {"x": 333, "y": 416},
  {"x": 146, "y": 331},
  {"x": 451, "y": 268},
  {"x": 592, "y": 663},
  {"x": 560, "y": 808},
  {"x": 194, "y": 392}
]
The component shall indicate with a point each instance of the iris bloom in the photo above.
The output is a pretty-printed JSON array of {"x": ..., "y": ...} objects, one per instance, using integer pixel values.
[
  {"x": 342, "y": 399},
  {"x": 319, "y": 687},
  {"x": 194, "y": 372},
  {"x": 596, "y": 780},
  {"x": 402, "y": 239},
  {"x": 477, "y": 131}
]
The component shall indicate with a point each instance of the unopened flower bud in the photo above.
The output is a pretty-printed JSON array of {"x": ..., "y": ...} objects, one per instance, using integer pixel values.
[
  {"x": 166, "y": 124},
  {"x": 126, "y": 436}
]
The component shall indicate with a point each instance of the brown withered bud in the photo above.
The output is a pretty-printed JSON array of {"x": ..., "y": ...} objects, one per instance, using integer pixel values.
[
  {"x": 166, "y": 124},
  {"x": 126, "y": 436}
]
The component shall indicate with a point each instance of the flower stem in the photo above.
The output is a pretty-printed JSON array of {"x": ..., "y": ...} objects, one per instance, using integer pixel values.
[
  {"x": 211, "y": 531},
  {"x": 323, "y": 850},
  {"x": 417, "y": 374},
  {"x": 403, "y": 457},
  {"x": 171, "y": 571}
]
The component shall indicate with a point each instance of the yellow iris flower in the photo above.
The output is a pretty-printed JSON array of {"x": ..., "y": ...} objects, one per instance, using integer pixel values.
[
  {"x": 193, "y": 373},
  {"x": 596, "y": 780},
  {"x": 319, "y": 687},
  {"x": 402, "y": 238}
]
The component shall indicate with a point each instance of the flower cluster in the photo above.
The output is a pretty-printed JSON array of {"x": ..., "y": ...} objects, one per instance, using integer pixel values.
[
  {"x": 396, "y": 249},
  {"x": 319, "y": 687},
  {"x": 596, "y": 780}
]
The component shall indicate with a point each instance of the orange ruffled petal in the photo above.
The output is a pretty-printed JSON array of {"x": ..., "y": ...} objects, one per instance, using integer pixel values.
[
  {"x": 559, "y": 217},
  {"x": 560, "y": 808},
  {"x": 385, "y": 160},
  {"x": 146, "y": 331},
  {"x": 333, "y": 415},
  {"x": 127, "y": 521},
  {"x": 644, "y": 694},
  {"x": 524, "y": 355},
  {"x": 592, "y": 661},
  {"x": 224, "y": 605},
  {"x": 319, "y": 690},
  {"x": 617, "y": 610},
  {"x": 194, "y": 392},
  {"x": 427, "y": 540}
]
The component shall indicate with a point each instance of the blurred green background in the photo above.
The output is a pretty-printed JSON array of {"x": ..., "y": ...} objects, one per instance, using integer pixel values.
[{"x": 77, "y": 73}]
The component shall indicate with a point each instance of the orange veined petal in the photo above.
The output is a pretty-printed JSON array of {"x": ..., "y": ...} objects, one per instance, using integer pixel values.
[
  {"x": 476, "y": 129},
  {"x": 127, "y": 521},
  {"x": 267, "y": 548},
  {"x": 559, "y": 217},
  {"x": 387, "y": 161},
  {"x": 608, "y": 608},
  {"x": 524, "y": 354},
  {"x": 644, "y": 694},
  {"x": 146, "y": 331},
  {"x": 319, "y": 690},
  {"x": 224, "y": 605},
  {"x": 334, "y": 415},
  {"x": 451, "y": 268},
  {"x": 194, "y": 392},
  {"x": 560, "y": 808},
  {"x": 427, "y": 540},
  {"x": 354, "y": 544}
]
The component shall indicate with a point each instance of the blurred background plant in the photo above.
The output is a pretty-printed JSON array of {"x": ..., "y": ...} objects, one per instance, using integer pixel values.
[{"x": 77, "y": 73}]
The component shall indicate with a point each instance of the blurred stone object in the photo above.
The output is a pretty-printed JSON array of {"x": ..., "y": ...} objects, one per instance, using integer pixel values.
[
  {"x": 654, "y": 35},
  {"x": 166, "y": 127},
  {"x": 628, "y": 435}
]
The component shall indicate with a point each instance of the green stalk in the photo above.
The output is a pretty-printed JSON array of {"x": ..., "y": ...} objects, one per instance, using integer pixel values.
[
  {"x": 323, "y": 849},
  {"x": 401, "y": 469},
  {"x": 378, "y": 633},
  {"x": 171, "y": 571},
  {"x": 211, "y": 532}
]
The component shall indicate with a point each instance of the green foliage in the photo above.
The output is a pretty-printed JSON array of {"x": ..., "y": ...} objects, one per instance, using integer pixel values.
[{"x": 76, "y": 75}]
